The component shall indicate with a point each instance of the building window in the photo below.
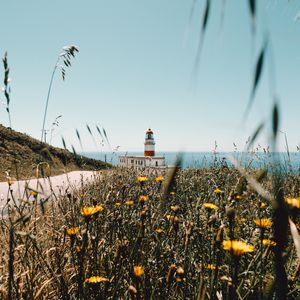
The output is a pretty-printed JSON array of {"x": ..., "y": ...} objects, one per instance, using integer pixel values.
[{"x": 156, "y": 163}]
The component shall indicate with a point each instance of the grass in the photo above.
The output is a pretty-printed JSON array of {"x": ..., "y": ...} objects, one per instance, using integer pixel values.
[{"x": 113, "y": 239}]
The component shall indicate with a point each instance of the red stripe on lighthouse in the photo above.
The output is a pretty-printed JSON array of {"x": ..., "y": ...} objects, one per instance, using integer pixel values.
[{"x": 149, "y": 153}]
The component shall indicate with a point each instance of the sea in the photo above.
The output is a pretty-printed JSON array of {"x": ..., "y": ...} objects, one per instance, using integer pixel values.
[{"x": 261, "y": 160}]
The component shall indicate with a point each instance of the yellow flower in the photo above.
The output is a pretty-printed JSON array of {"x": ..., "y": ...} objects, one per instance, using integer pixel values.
[
  {"x": 142, "y": 179},
  {"x": 210, "y": 267},
  {"x": 96, "y": 279},
  {"x": 268, "y": 243},
  {"x": 172, "y": 193},
  {"x": 129, "y": 202},
  {"x": 218, "y": 191},
  {"x": 175, "y": 208},
  {"x": 88, "y": 211},
  {"x": 72, "y": 231},
  {"x": 169, "y": 217},
  {"x": 238, "y": 197},
  {"x": 263, "y": 223},
  {"x": 33, "y": 193},
  {"x": 159, "y": 179},
  {"x": 293, "y": 202},
  {"x": 159, "y": 230},
  {"x": 210, "y": 206},
  {"x": 260, "y": 204},
  {"x": 117, "y": 204},
  {"x": 237, "y": 247},
  {"x": 143, "y": 198},
  {"x": 138, "y": 271}
]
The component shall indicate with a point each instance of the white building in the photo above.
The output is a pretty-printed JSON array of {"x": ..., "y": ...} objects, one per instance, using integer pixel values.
[{"x": 148, "y": 160}]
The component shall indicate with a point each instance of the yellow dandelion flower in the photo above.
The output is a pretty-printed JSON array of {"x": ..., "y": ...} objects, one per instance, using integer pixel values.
[
  {"x": 129, "y": 202},
  {"x": 72, "y": 231},
  {"x": 138, "y": 271},
  {"x": 293, "y": 202},
  {"x": 218, "y": 191},
  {"x": 142, "y": 179},
  {"x": 33, "y": 193},
  {"x": 172, "y": 193},
  {"x": 175, "y": 208},
  {"x": 237, "y": 247},
  {"x": 169, "y": 217},
  {"x": 238, "y": 197},
  {"x": 88, "y": 211},
  {"x": 159, "y": 230},
  {"x": 263, "y": 223},
  {"x": 159, "y": 179},
  {"x": 210, "y": 206},
  {"x": 268, "y": 243},
  {"x": 260, "y": 205},
  {"x": 144, "y": 198},
  {"x": 211, "y": 267},
  {"x": 117, "y": 204},
  {"x": 96, "y": 279}
]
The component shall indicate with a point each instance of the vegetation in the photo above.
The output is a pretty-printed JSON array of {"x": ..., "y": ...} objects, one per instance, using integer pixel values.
[
  {"x": 20, "y": 155},
  {"x": 207, "y": 235}
]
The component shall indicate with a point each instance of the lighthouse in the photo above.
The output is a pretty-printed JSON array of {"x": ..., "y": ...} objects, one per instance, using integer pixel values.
[
  {"x": 149, "y": 144},
  {"x": 146, "y": 163}
]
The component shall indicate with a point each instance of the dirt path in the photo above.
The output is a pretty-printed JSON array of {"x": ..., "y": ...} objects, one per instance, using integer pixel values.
[{"x": 59, "y": 183}]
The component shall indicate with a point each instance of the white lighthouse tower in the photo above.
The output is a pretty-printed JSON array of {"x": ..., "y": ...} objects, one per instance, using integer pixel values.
[{"x": 149, "y": 144}]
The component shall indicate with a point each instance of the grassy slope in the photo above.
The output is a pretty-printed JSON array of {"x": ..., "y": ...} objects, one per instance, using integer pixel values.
[{"x": 23, "y": 153}]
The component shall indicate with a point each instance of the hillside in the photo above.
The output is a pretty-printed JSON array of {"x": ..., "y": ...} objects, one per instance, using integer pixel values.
[{"x": 20, "y": 154}]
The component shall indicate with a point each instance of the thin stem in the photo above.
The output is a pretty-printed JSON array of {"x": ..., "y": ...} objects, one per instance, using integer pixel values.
[{"x": 48, "y": 96}]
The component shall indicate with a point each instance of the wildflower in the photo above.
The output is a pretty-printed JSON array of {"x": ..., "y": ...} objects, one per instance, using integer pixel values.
[
  {"x": 210, "y": 206},
  {"x": 172, "y": 193},
  {"x": 175, "y": 208},
  {"x": 260, "y": 205},
  {"x": 293, "y": 202},
  {"x": 211, "y": 267},
  {"x": 129, "y": 202},
  {"x": 263, "y": 223},
  {"x": 159, "y": 230},
  {"x": 218, "y": 191},
  {"x": 169, "y": 217},
  {"x": 144, "y": 198},
  {"x": 72, "y": 231},
  {"x": 33, "y": 193},
  {"x": 268, "y": 243},
  {"x": 96, "y": 279},
  {"x": 237, "y": 247},
  {"x": 142, "y": 179},
  {"x": 159, "y": 179},
  {"x": 88, "y": 211},
  {"x": 77, "y": 249},
  {"x": 117, "y": 204},
  {"x": 138, "y": 271},
  {"x": 238, "y": 197}
]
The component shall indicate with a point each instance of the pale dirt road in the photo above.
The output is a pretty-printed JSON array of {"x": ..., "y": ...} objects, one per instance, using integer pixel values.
[{"x": 67, "y": 181}]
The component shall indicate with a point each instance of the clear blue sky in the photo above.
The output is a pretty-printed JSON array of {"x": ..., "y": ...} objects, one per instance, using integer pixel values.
[{"x": 135, "y": 66}]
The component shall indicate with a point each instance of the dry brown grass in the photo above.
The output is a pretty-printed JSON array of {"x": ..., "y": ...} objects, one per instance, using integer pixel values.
[{"x": 141, "y": 249}]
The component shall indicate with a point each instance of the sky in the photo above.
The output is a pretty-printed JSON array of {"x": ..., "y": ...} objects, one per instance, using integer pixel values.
[{"x": 135, "y": 70}]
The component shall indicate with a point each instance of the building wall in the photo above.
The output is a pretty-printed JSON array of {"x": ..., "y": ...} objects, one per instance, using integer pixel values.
[{"x": 141, "y": 162}]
